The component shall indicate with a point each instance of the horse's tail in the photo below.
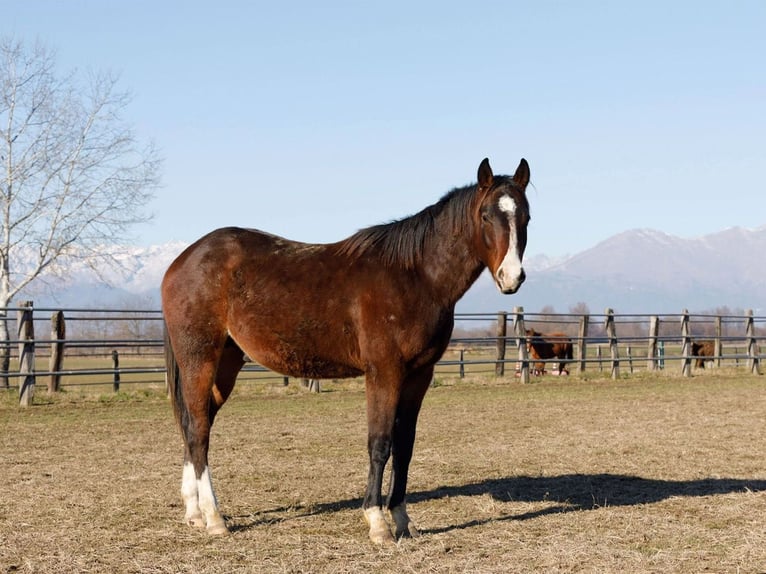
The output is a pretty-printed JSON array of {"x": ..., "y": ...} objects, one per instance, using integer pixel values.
[{"x": 173, "y": 378}]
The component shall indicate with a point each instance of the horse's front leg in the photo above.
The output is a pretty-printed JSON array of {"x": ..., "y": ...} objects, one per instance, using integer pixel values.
[
  {"x": 381, "y": 411},
  {"x": 407, "y": 411},
  {"x": 379, "y": 448}
]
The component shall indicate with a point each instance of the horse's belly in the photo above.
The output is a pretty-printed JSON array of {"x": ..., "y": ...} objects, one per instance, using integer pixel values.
[
  {"x": 297, "y": 342},
  {"x": 306, "y": 366},
  {"x": 309, "y": 358}
]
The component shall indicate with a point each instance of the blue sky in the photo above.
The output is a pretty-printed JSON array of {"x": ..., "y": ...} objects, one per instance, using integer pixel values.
[{"x": 314, "y": 119}]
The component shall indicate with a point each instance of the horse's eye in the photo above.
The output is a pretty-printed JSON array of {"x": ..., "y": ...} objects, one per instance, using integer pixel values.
[{"x": 485, "y": 217}]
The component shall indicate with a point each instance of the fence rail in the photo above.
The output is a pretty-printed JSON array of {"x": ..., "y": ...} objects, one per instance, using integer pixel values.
[{"x": 125, "y": 346}]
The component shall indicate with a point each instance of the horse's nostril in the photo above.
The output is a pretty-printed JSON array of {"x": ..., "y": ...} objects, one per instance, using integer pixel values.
[{"x": 500, "y": 274}]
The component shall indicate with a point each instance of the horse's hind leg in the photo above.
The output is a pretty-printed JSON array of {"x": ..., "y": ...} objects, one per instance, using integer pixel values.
[
  {"x": 232, "y": 360},
  {"x": 197, "y": 486},
  {"x": 196, "y": 483},
  {"x": 216, "y": 381}
]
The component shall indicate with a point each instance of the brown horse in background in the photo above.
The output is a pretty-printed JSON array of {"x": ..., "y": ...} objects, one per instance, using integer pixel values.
[
  {"x": 380, "y": 303},
  {"x": 702, "y": 349},
  {"x": 543, "y": 347}
]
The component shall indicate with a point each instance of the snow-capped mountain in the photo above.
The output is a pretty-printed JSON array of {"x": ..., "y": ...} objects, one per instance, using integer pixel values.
[
  {"x": 643, "y": 271},
  {"x": 134, "y": 281}
]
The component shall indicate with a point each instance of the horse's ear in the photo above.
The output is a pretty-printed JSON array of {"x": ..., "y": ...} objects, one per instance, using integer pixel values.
[
  {"x": 485, "y": 176},
  {"x": 521, "y": 177}
]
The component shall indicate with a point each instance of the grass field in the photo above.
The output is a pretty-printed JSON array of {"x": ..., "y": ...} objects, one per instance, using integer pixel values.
[{"x": 651, "y": 473}]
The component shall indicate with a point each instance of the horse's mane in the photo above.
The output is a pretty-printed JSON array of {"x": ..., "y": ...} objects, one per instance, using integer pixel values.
[{"x": 401, "y": 242}]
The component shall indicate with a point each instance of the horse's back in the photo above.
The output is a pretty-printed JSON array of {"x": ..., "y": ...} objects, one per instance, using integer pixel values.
[
  {"x": 218, "y": 262},
  {"x": 223, "y": 248}
]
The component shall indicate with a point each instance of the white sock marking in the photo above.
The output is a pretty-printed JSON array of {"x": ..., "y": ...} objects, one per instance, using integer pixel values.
[
  {"x": 207, "y": 501},
  {"x": 189, "y": 492}
]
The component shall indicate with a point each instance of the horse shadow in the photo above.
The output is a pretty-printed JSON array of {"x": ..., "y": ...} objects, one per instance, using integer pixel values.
[{"x": 565, "y": 493}]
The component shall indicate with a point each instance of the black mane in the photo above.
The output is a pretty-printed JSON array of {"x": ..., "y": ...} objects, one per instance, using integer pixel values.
[{"x": 401, "y": 242}]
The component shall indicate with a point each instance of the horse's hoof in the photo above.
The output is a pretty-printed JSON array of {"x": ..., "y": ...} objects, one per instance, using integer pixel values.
[
  {"x": 405, "y": 528},
  {"x": 380, "y": 534},
  {"x": 382, "y": 537},
  {"x": 218, "y": 529},
  {"x": 195, "y": 521},
  {"x": 409, "y": 532}
]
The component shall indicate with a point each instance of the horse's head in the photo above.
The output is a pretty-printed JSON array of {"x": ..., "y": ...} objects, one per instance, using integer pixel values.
[{"x": 502, "y": 217}]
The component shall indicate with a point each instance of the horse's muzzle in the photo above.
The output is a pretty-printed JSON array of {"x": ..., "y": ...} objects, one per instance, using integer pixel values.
[{"x": 510, "y": 285}]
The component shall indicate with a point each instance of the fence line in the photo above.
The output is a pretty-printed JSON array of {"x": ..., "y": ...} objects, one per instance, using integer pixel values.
[{"x": 122, "y": 338}]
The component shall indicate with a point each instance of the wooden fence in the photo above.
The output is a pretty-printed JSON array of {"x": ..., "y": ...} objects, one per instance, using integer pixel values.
[
  {"x": 597, "y": 339},
  {"x": 483, "y": 344}
]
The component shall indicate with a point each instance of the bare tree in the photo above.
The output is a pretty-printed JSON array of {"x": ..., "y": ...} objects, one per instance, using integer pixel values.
[
  {"x": 579, "y": 308},
  {"x": 74, "y": 178}
]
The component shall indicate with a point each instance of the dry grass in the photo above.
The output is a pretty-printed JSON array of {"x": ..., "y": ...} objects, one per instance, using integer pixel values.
[{"x": 650, "y": 474}]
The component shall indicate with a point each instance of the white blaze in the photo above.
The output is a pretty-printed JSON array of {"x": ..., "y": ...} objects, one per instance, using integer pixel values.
[{"x": 509, "y": 271}]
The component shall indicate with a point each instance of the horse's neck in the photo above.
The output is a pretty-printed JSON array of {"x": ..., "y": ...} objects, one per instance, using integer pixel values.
[{"x": 450, "y": 264}]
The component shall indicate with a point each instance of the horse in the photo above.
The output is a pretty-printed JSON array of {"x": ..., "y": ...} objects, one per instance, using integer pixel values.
[
  {"x": 553, "y": 345},
  {"x": 378, "y": 304},
  {"x": 702, "y": 349}
]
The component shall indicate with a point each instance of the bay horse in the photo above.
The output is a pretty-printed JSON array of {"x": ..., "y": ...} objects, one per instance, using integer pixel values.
[
  {"x": 380, "y": 303},
  {"x": 551, "y": 346},
  {"x": 702, "y": 349}
]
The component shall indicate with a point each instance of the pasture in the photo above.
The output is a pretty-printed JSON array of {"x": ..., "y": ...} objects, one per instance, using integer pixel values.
[{"x": 652, "y": 473}]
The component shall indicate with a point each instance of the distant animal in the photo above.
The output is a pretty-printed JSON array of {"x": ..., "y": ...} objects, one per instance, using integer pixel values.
[
  {"x": 380, "y": 303},
  {"x": 551, "y": 346},
  {"x": 702, "y": 349}
]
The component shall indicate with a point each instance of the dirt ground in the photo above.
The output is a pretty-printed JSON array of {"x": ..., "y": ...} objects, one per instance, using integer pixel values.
[{"x": 652, "y": 473}]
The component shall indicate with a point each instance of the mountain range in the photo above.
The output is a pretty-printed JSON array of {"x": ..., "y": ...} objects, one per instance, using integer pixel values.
[
  {"x": 643, "y": 271},
  {"x": 637, "y": 271}
]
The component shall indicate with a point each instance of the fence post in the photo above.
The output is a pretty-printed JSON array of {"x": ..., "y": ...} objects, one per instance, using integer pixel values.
[
  {"x": 26, "y": 340},
  {"x": 718, "y": 345},
  {"x": 521, "y": 338},
  {"x": 502, "y": 330},
  {"x": 651, "y": 354},
  {"x": 582, "y": 347},
  {"x": 56, "y": 362},
  {"x": 462, "y": 363},
  {"x": 611, "y": 332},
  {"x": 116, "y": 367},
  {"x": 598, "y": 356},
  {"x": 753, "y": 363},
  {"x": 5, "y": 348},
  {"x": 686, "y": 345}
]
